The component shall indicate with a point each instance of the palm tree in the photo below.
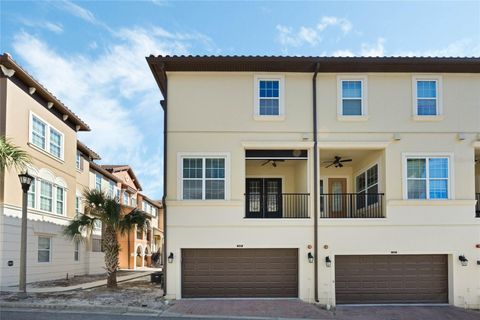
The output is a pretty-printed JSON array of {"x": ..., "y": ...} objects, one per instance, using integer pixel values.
[
  {"x": 100, "y": 207},
  {"x": 12, "y": 156}
]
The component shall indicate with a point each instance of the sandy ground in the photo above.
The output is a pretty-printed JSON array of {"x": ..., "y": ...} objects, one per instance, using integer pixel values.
[
  {"x": 135, "y": 293},
  {"x": 76, "y": 280}
]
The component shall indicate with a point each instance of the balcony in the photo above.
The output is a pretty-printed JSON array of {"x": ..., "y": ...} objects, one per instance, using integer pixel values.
[
  {"x": 351, "y": 205},
  {"x": 477, "y": 206},
  {"x": 275, "y": 205}
]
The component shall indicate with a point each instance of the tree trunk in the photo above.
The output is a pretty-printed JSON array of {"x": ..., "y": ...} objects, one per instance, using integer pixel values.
[{"x": 111, "y": 249}]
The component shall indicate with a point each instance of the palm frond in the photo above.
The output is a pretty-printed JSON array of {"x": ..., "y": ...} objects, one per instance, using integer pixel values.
[
  {"x": 79, "y": 226},
  {"x": 12, "y": 156},
  {"x": 136, "y": 217}
]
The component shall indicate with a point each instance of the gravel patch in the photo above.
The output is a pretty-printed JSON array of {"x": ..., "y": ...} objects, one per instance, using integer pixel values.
[{"x": 72, "y": 281}]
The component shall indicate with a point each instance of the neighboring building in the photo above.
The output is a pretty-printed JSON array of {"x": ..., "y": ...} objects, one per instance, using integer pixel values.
[
  {"x": 138, "y": 246},
  {"x": 341, "y": 180},
  {"x": 39, "y": 123}
]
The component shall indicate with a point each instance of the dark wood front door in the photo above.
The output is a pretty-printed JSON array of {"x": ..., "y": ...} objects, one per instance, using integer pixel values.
[
  {"x": 391, "y": 279},
  {"x": 338, "y": 200},
  {"x": 236, "y": 273},
  {"x": 264, "y": 197}
]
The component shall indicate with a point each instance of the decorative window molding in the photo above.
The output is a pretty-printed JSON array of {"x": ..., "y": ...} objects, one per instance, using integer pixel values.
[
  {"x": 45, "y": 137},
  {"x": 269, "y": 97},
  {"x": 203, "y": 176},
  {"x": 428, "y": 176},
  {"x": 352, "y": 94},
  {"x": 427, "y": 101}
]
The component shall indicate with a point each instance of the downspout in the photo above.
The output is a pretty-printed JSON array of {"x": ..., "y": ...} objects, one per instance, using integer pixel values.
[
  {"x": 163, "y": 103},
  {"x": 315, "y": 181}
]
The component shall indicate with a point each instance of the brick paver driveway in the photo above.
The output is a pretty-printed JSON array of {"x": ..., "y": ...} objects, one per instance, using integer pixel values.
[{"x": 297, "y": 309}]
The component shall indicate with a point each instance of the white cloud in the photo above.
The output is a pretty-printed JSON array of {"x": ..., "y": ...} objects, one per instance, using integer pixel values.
[
  {"x": 51, "y": 26},
  {"x": 461, "y": 48},
  {"x": 78, "y": 11},
  {"x": 288, "y": 37},
  {"x": 376, "y": 50},
  {"x": 343, "y": 53},
  {"x": 114, "y": 92}
]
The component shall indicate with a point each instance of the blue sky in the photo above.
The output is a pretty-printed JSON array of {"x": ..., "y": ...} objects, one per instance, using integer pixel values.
[{"x": 91, "y": 53}]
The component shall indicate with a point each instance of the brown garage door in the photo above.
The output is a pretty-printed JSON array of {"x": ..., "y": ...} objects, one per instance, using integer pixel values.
[
  {"x": 239, "y": 273},
  {"x": 391, "y": 279}
]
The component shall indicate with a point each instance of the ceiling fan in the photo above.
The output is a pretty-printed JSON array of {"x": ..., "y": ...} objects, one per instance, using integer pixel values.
[
  {"x": 273, "y": 162},
  {"x": 337, "y": 162}
]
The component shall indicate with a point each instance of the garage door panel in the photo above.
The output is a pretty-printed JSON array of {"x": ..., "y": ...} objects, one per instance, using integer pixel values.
[
  {"x": 391, "y": 279},
  {"x": 239, "y": 273}
]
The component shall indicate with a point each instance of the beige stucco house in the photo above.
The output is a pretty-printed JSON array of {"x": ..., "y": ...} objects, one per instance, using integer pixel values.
[
  {"x": 35, "y": 120},
  {"x": 335, "y": 180}
]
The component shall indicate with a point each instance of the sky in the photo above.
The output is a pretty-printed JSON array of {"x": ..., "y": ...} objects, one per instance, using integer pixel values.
[{"x": 91, "y": 54}]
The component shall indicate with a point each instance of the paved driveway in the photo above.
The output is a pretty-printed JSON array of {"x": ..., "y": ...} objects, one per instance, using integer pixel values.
[{"x": 297, "y": 309}]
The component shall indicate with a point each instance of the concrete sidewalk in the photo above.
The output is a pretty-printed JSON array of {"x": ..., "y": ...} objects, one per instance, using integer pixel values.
[{"x": 82, "y": 286}]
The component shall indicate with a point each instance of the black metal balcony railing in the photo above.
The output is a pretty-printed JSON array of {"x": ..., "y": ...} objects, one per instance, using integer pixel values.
[
  {"x": 277, "y": 205},
  {"x": 477, "y": 206},
  {"x": 351, "y": 205}
]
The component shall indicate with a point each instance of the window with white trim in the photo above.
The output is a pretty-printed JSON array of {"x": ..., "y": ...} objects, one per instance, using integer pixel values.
[
  {"x": 203, "y": 178},
  {"x": 125, "y": 198},
  {"x": 46, "y": 196},
  {"x": 428, "y": 177},
  {"x": 133, "y": 201},
  {"x": 79, "y": 161},
  {"x": 98, "y": 182},
  {"x": 427, "y": 97},
  {"x": 60, "y": 208},
  {"x": 44, "y": 249},
  {"x": 31, "y": 202},
  {"x": 366, "y": 184},
  {"x": 78, "y": 206},
  {"x": 76, "y": 250},
  {"x": 269, "y": 96},
  {"x": 46, "y": 137},
  {"x": 111, "y": 189},
  {"x": 352, "y": 97}
]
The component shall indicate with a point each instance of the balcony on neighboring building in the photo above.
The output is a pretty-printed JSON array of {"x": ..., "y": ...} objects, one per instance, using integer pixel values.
[{"x": 276, "y": 184}]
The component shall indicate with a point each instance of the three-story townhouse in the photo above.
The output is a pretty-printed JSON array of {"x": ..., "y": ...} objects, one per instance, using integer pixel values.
[
  {"x": 36, "y": 121},
  {"x": 335, "y": 180}
]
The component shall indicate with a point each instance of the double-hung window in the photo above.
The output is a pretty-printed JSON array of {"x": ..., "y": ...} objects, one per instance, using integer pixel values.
[
  {"x": 269, "y": 96},
  {"x": 45, "y": 137},
  {"x": 427, "y": 177},
  {"x": 60, "y": 208},
  {"x": 111, "y": 189},
  {"x": 203, "y": 178},
  {"x": 352, "y": 92},
  {"x": 46, "y": 196},
  {"x": 125, "y": 198},
  {"x": 76, "y": 250},
  {"x": 44, "y": 247},
  {"x": 367, "y": 187},
  {"x": 78, "y": 161},
  {"x": 427, "y": 90},
  {"x": 78, "y": 206}
]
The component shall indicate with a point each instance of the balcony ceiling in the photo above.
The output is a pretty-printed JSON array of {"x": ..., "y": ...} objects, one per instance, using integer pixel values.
[{"x": 355, "y": 155}]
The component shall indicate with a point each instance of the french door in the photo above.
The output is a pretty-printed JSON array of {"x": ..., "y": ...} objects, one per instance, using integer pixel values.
[{"x": 263, "y": 197}]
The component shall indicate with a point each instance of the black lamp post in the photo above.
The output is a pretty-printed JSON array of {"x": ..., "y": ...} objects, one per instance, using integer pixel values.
[{"x": 26, "y": 181}]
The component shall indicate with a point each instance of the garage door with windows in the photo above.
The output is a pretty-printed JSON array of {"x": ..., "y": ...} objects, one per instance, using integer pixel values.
[
  {"x": 220, "y": 273},
  {"x": 391, "y": 279}
]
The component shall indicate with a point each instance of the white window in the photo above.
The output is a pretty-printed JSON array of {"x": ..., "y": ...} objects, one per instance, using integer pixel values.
[
  {"x": 45, "y": 137},
  {"x": 76, "y": 250},
  {"x": 44, "y": 248},
  {"x": 32, "y": 194},
  {"x": 269, "y": 93},
  {"x": 79, "y": 161},
  {"x": 111, "y": 189},
  {"x": 60, "y": 208},
  {"x": 366, "y": 184},
  {"x": 98, "y": 182},
  {"x": 203, "y": 178},
  {"x": 427, "y": 90},
  {"x": 125, "y": 198},
  {"x": 46, "y": 196},
  {"x": 352, "y": 92},
  {"x": 133, "y": 201},
  {"x": 428, "y": 177},
  {"x": 78, "y": 206}
]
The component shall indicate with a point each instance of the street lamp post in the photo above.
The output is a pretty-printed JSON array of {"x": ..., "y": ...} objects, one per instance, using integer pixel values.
[{"x": 26, "y": 181}]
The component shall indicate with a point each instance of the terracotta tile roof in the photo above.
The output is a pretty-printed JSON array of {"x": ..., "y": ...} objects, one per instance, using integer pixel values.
[
  {"x": 87, "y": 151},
  {"x": 122, "y": 167},
  {"x": 20, "y": 73}
]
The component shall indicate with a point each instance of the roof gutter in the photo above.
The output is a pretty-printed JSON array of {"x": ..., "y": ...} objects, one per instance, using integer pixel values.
[{"x": 315, "y": 179}]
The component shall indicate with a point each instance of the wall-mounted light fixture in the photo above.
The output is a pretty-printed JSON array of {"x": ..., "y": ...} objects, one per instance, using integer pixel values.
[
  {"x": 461, "y": 136},
  {"x": 463, "y": 260},
  {"x": 310, "y": 257},
  {"x": 170, "y": 257},
  {"x": 328, "y": 262}
]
